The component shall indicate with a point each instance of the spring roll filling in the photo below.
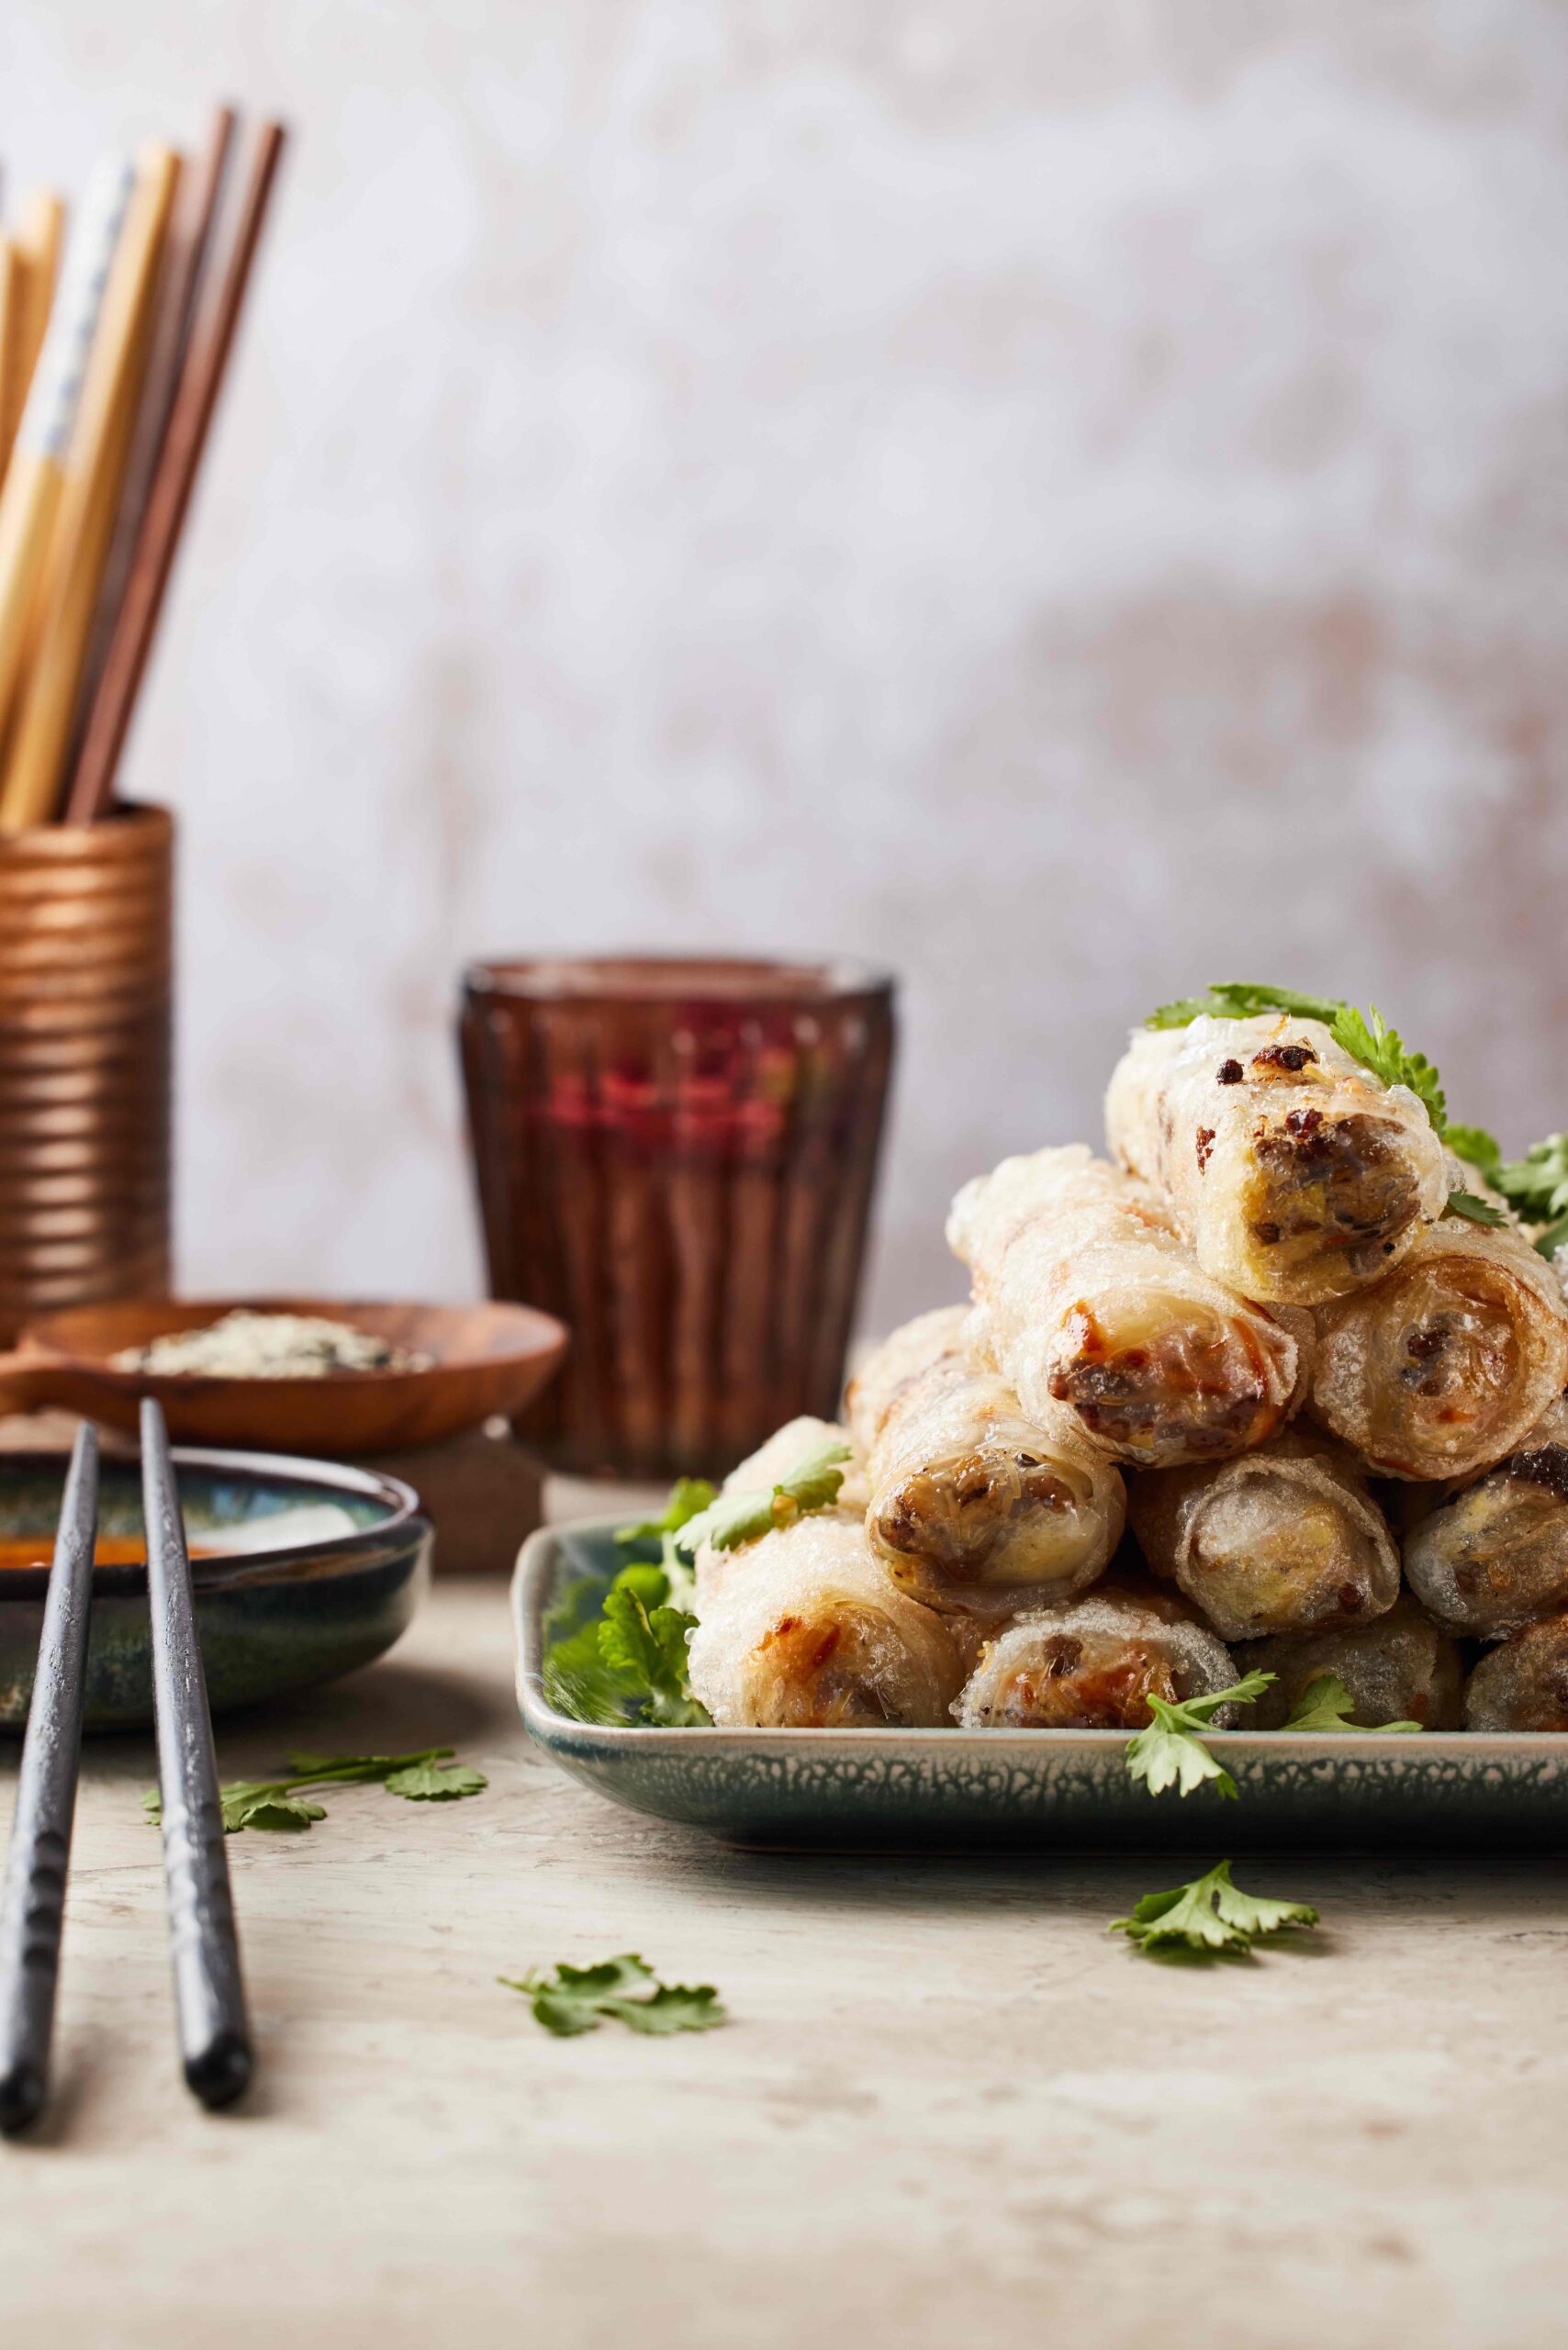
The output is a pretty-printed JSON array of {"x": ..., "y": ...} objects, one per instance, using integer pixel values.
[
  {"x": 963, "y": 1517},
  {"x": 1444, "y": 1356},
  {"x": 1077, "y": 1681},
  {"x": 1501, "y": 1549},
  {"x": 829, "y": 1671},
  {"x": 1165, "y": 1382},
  {"x": 1260, "y": 1549},
  {"x": 1320, "y": 1182}
]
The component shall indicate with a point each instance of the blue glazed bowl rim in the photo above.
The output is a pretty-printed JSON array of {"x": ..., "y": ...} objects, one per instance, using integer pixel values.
[{"x": 403, "y": 1519}]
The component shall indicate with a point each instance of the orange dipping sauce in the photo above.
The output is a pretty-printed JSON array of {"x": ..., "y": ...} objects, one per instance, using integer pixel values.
[{"x": 113, "y": 1551}]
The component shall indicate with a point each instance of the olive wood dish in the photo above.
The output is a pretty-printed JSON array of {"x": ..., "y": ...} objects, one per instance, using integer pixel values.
[
  {"x": 485, "y": 1359},
  {"x": 268, "y": 1619},
  {"x": 871, "y": 1789}
]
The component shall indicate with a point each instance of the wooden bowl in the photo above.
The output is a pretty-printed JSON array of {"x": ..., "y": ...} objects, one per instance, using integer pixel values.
[{"x": 484, "y": 1360}]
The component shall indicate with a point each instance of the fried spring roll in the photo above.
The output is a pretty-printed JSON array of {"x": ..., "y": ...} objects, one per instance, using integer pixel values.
[
  {"x": 1494, "y": 1556},
  {"x": 1094, "y": 1663},
  {"x": 1086, "y": 1297},
  {"x": 1402, "y": 1668},
  {"x": 814, "y": 1635},
  {"x": 1522, "y": 1683},
  {"x": 1295, "y": 1173},
  {"x": 1285, "y": 1539},
  {"x": 1444, "y": 1368},
  {"x": 976, "y": 1508}
]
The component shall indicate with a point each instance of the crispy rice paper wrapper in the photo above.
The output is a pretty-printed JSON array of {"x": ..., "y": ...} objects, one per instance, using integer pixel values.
[
  {"x": 1402, "y": 1668},
  {"x": 1445, "y": 1367},
  {"x": 1283, "y": 1539},
  {"x": 976, "y": 1508},
  {"x": 1523, "y": 1682},
  {"x": 1086, "y": 1295},
  {"x": 1094, "y": 1663},
  {"x": 1295, "y": 1173},
  {"x": 1494, "y": 1556},
  {"x": 814, "y": 1635}
]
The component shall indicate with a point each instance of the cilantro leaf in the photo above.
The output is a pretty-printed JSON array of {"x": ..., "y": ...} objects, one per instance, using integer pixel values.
[
  {"x": 689, "y": 1496},
  {"x": 277, "y": 1804},
  {"x": 1367, "y": 1038},
  {"x": 811, "y": 1484},
  {"x": 1239, "y": 1000},
  {"x": 1536, "y": 1184},
  {"x": 1473, "y": 1209},
  {"x": 1327, "y": 1704},
  {"x": 1477, "y": 1148},
  {"x": 1211, "y": 1914},
  {"x": 1169, "y": 1753},
  {"x": 574, "y": 2000},
  {"x": 1548, "y": 1241},
  {"x": 433, "y": 1782},
  {"x": 628, "y": 1663},
  {"x": 647, "y": 1651}
]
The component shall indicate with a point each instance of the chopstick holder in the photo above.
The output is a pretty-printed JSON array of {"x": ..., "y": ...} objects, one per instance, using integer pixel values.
[
  {"x": 32, "y": 1906},
  {"x": 209, "y": 1997}
]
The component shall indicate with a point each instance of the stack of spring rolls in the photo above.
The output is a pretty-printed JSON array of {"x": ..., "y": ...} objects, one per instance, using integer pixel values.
[{"x": 1245, "y": 1393}]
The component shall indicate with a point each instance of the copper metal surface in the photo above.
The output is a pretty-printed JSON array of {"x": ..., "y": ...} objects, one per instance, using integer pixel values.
[{"x": 86, "y": 1002}]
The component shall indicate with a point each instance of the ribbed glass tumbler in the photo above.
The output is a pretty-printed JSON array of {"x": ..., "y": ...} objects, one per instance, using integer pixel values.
[
  {"x": 86, "y": 1000},
  {"x": 677, "y": 1158}
]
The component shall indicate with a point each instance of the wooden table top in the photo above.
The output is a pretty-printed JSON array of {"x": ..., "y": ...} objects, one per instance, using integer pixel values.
[{"x": 949, "y": 2108}]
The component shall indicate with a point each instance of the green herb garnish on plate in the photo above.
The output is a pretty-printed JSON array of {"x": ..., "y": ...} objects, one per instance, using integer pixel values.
[
  {"x": 1327, "y": 1704},
  {"x": 1170, "y": 1753}
]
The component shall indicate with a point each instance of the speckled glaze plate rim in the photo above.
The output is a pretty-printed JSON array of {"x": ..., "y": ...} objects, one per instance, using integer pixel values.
[
  {"x": 1045, "y": 1754},
  {"x": 220, "y": 1573}
]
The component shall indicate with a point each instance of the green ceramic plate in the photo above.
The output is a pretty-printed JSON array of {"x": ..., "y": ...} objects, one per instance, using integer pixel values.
[
  {"x": 337, "y": 1564},
  {"x": 870, "y": 1789}
]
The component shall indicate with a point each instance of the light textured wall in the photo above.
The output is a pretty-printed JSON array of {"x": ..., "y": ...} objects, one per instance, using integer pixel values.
[{"x": 1067, "y": 497}]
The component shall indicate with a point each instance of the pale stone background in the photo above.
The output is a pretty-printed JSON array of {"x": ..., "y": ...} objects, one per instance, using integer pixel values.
[{"x": 1067, "y": 498}]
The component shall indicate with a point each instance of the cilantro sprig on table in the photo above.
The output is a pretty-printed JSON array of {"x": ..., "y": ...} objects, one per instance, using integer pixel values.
[
  {"x": 280, "y": 1805},
  {"x": 574, "y": 2000},
  {"x": 618, "y": 1656},
  {"x": 1209, "y": 1915}
]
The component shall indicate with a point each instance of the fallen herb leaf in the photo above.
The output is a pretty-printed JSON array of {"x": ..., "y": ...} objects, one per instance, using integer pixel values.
[
  {"x": 1210, "y": 1914},
  {"x": 1327, "y": 1704},
  {"x": 574, "y": 2000}
]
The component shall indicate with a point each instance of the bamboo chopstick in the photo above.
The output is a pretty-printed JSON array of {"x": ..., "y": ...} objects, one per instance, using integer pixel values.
[
  {"x": 35, "y": 479},
  {"x": 173, "y": 308},
  {"x": 13, "y": 343},
  {"x": 201, "y": 379},
  {"x": 40, "y": 237},
  {"x": 80, "y": 539}
]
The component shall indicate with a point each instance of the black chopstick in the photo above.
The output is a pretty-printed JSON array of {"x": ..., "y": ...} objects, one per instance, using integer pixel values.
[
  {"x": 214, "y": 2032},
  {"x": 32, "y": 1907}
]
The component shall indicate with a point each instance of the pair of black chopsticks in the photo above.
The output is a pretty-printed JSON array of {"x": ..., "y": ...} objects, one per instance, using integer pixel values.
[{"x": 214, "y": 2033}]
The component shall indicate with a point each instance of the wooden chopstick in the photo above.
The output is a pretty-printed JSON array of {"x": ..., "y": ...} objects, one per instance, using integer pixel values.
[
  {"x": 36, "y": 477},
  {"x": 201, "y": 380},
  {"x": 210, "y": 1996},
  {"x": 173, "y": 303},
  {"x": 93, "y": 469},
  {"x": 32, "y": 1907}
]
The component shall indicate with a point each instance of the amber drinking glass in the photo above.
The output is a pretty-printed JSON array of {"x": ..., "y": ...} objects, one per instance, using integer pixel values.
[
  {"x": 677, "y": 1158},
  {"x": 86, "y": 1002}
]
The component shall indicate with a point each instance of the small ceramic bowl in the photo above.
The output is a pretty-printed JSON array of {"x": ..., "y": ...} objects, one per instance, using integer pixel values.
[{"x": 333, "y": 1591}]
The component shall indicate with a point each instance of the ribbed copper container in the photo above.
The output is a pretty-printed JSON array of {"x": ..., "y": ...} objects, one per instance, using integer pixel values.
[
  {"x": 677, "y": 1158},
  {"x": 86, "y": 1021}
]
